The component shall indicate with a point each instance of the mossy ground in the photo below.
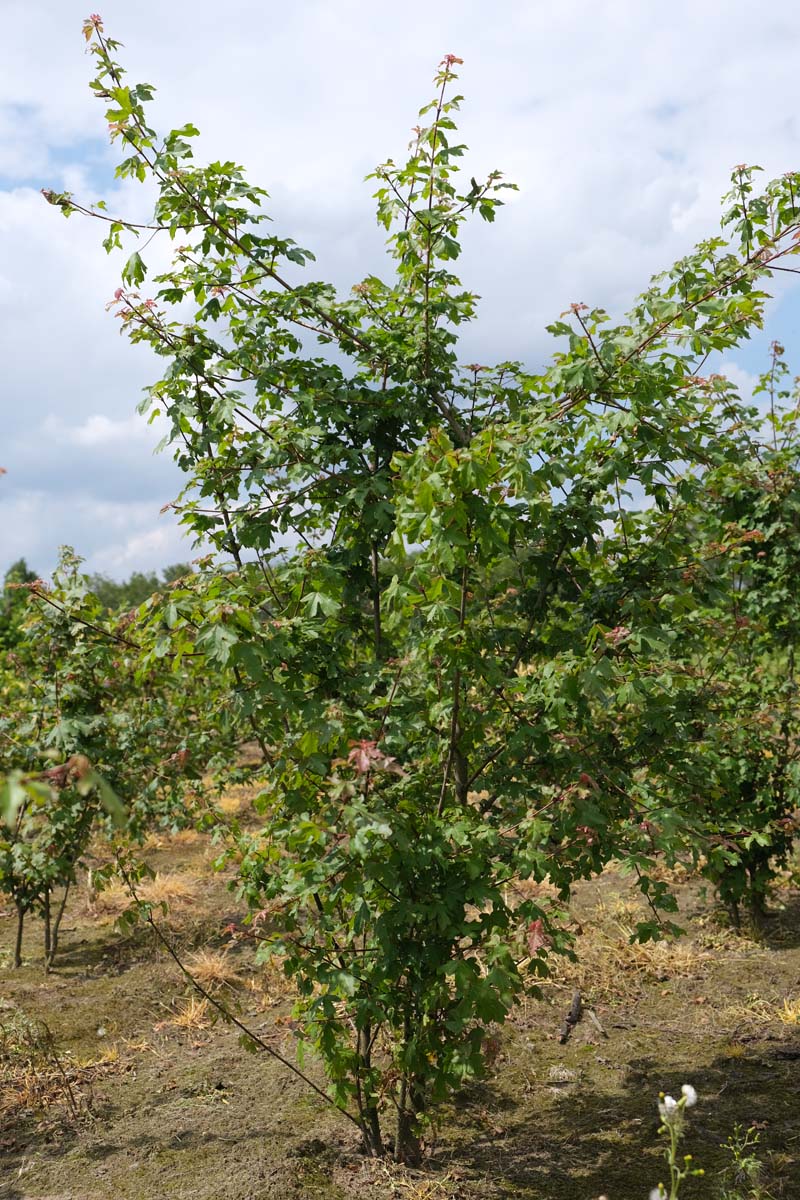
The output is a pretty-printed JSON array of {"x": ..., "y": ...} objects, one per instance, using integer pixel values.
[{"x": 168, "y": 1105}]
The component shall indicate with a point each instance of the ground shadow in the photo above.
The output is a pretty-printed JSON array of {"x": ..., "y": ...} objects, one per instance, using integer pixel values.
[{"x": 594, "y": 1142}]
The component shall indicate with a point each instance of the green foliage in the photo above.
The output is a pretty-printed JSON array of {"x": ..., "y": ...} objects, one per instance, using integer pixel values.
[
  {"x": 49, "y": 821},
  {"x": 466, "y": 659},
  {"x": 744, "y": 1178},
  {"x": 13, "y": 601},
  {"x": 89, "y": 740},
  {"x": 737, "y": 656}
]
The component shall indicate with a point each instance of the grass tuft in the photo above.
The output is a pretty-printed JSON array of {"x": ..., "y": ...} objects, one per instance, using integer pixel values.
[
  {"x": 176, "y": 889},
  {"x": 213, "y": 969},
  {"x": 192, "y": 1014}
]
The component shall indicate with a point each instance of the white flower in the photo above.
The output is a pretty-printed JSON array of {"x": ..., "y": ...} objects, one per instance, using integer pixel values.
[
  {"x": 689, "y": 1095},
  {"x": 667, "y": 1108}
]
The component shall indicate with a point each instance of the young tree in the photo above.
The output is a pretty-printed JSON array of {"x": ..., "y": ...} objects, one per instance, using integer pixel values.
[
  {"x": 100, "y": 741},
  {"x": 44, "y": 838},
  {"x": 746, "y": 540},
  {"x": 441, "y": 623}
]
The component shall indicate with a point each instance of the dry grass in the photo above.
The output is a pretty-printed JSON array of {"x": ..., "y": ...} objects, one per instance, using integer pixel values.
[
  {"x": 186, "y": 837},
  {"x": 192, "y": 1015},
  {"x": 789, "y": 876},
  {"x": 398, "y": 1181},
  {"x": 791, "y": 1011},
  {"x": 270, "y": 986},
  {"x": 428, "y": 1189},
  {"x": 177, "y": 889},
  {"x": 611, "y": 966},
  {"x": 237, "y": 799},
  {"x": 36, "y": 1076},
  {"x": 112, "y": 901},
  {"x": 165, "y": 841},
  {"x": 529, "y": 889},
  {"x": 673, "y": 876},
  {"x": 213, "y": 969},
  {"x": 173, "y": 888},
  {"x": 230, "y": 803},
  {"x": 756, "y": 1009}
]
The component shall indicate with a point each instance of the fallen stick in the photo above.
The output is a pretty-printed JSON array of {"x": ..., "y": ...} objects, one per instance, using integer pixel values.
[
  {"x": 593, "y": 1017},
  {"x": 572, "y": 1018}
]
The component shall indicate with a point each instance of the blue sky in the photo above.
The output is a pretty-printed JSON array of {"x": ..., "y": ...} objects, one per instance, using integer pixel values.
[{"x": 620, "y": 120}]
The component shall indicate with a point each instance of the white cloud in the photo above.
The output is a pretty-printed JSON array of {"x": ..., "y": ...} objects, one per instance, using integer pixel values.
[
  {"x": 140, "y": 550},
  {"x": 744, "y": 381},
  {"x": 100, "y": 430},
  {"x": 619, "y": 120},
  {"x": 116, "y": 537}
]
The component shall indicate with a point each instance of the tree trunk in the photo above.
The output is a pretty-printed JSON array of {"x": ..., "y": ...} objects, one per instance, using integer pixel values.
[
  {"x": 56, "y": 927},
  {"x": 18, "y": 943},
  {"x": 373, "y": 1141},
  {"x": 733, "y": 909},
  {"x": 407, "y": 1145},
  {"x": 47, "y": 937}
]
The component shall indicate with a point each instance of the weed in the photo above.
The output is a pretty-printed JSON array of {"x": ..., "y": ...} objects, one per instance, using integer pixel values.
[
  {"x": 744, "y": 1178},
  {"x": 35, "y": 1076}
]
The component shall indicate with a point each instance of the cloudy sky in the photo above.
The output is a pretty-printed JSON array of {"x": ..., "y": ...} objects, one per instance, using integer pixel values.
[{"x": 619, "y": 119}]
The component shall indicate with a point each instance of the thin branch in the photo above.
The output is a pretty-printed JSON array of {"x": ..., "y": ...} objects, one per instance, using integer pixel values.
[{"x": 224, "y": 1012}]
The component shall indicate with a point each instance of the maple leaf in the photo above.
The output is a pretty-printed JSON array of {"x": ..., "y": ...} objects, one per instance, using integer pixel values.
[{"x": 536, "y": 937}]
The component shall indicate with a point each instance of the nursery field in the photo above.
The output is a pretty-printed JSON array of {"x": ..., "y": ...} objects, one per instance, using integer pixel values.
[
  {"x": 116, "y": 1082},
  {"x": 502, "y": 899}
]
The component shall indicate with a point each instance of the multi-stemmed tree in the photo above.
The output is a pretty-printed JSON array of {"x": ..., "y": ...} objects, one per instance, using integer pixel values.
[{"x": 445, "y": 627}]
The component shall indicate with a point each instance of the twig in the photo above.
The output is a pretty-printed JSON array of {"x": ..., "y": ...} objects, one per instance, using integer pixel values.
[
  {"x": 592, "y": 1015},
  {"x": 572, "y": 1018},
  {"x": 224, "y": 1012}
]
